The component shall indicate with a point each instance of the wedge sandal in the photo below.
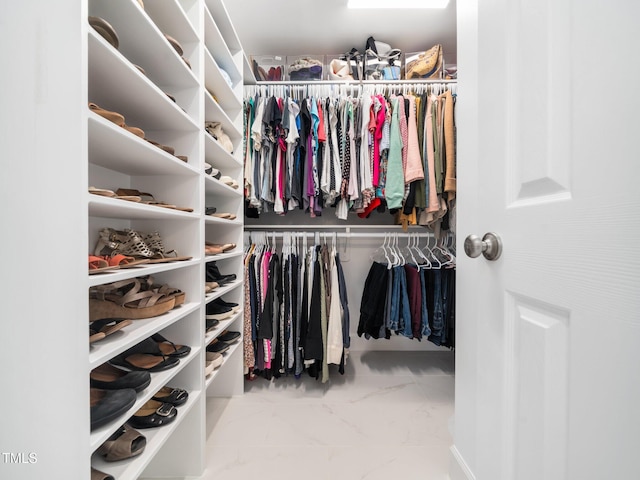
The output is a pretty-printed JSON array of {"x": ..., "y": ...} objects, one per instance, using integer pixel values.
[{"x": 124, "y": 299}]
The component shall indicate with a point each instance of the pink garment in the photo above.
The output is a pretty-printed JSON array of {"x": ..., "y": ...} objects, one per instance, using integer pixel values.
[
  {"x": 380, "y": 115},
  {"x": 322, "y": 136},
  {"x": 413, "y": 168}
]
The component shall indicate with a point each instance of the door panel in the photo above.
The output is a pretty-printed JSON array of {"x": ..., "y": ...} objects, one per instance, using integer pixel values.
[
  {"x": 538, "y": 363},
  {"x": 551, "y": 141}
]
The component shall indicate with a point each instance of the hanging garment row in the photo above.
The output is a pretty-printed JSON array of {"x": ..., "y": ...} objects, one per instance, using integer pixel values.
[
  {"x": 296, "y": 315},
  {"x": 410, "y": 291},
  {"x": 353, "y": 148}
]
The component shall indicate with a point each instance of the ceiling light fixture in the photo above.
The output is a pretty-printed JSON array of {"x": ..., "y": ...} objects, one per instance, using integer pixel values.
[{"x": 397, "y": 3}]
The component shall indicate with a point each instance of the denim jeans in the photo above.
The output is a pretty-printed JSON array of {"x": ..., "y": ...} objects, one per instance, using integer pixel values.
[
  {"x": 437, "y": 319},
  {"x": 426, "y": 331}
]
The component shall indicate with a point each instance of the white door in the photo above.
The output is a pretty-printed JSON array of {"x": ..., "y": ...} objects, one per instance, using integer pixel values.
[{"x": 548, "y": 347}]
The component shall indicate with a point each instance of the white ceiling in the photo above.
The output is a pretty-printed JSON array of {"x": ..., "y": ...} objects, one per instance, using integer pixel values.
[{"x": 297, "y": 27}]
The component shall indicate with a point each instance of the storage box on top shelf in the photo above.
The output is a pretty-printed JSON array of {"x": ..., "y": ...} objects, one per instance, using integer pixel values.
[
  {"x": 268, "y": 68},
  {"x": 305, "y": 67},
  {"x": 383, "y": 67},
  {"x": 428, "y": 64},
  {"x": 343, "y": 67}
]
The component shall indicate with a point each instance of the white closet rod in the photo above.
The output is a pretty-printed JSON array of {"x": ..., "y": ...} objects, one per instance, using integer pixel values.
[
  {"x": 342, "y": 234},
  {"x": 355, "y": 83},
  {"x": 388, "y": 228}
]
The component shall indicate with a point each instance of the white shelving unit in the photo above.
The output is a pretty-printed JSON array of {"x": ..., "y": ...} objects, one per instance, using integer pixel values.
[{"x": 117, "y": 158}]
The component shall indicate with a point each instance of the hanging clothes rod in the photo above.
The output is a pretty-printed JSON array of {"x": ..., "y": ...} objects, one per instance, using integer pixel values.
[
  {"x": 388, "y": 228},
  {"x": 346, "y": 234},
  {"x": 355, "y": 82}
]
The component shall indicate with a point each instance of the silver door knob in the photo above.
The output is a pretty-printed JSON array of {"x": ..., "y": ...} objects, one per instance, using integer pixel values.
[{"x": 490, "y": 246}]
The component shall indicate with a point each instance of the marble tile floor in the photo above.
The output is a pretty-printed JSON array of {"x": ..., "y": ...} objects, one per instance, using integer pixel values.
[{"x": 390, "y": 416}]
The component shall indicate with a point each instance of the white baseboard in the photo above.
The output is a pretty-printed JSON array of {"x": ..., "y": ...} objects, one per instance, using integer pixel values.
[{"x": 458, "y": 468}]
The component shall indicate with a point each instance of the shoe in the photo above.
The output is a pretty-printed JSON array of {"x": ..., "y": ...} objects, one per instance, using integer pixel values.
[
  {"x": 153, "y": 414},
  {"x": 124, "y": 299},
  {"x": 145, "y": 356},
  {"x": 234, "y": 306},
  {"x": 218, "y": 312},
  {"x": 169, "y": 348},
  {"x": 98, "y": 475},
  {"x": 218, "y": 347},
  {"x": 108, "y": 326},
  {"x": 174, "y": 396},
  {"x": 124, "y": 443},
  {"x": 175, "y": 44},
  {"x": 210, "y": 324},
  {"x": 213, "y": 360},
  {"x": 99, "y": 265},
  {"x": 108, "y": 377},
  {"x": 147, "y": 283},
  {"x": 105, "y": 30},
  {"x": 107, "y": 405},
  {"x": 229, "y": 337},
  {"x": 213, "y": 275},
  {"x": 114, "y": 117}
]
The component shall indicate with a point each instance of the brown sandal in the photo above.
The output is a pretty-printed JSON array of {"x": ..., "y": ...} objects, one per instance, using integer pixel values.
[
  {"x": 124, "y": 299},
  {"x": 124, "y": 443}
]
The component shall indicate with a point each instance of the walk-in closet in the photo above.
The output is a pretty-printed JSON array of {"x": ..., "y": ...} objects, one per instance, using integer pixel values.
[{"x": 304, "y": 244}]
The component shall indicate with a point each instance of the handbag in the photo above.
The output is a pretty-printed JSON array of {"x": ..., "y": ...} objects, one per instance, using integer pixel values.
[
  {"x": 381, "y": 62},
  {"x": 428, "y": 64}
]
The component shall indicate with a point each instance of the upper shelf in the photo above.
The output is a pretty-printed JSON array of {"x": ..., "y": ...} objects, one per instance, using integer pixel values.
[
  {"x": 144, "y": 44},
  {"x": 218, "y": 48},
  {"x": 117, "y": 85},
  {"x": 218, "y": 86},
  {"x": 223, "y": 21}
]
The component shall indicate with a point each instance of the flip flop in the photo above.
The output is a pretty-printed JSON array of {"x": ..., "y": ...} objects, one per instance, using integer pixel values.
[{"x": 108, "y": 326}]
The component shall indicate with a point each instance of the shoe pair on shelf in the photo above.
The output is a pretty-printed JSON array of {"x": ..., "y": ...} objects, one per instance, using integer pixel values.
[
  {"x": 138, "y": 245},
  {"x": 133, "y": 298}
]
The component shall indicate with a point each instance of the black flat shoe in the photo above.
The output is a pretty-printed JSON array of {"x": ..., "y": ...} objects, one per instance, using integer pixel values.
[
  {"x": 229, "y": 337},
  {"x": 153, "y": 414},
  {"x": 218, "y": 347},
  {"x": 174, "y": 396},
  {"x": 108, "y": 377},
  {"x": 107, "y": 405}
]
